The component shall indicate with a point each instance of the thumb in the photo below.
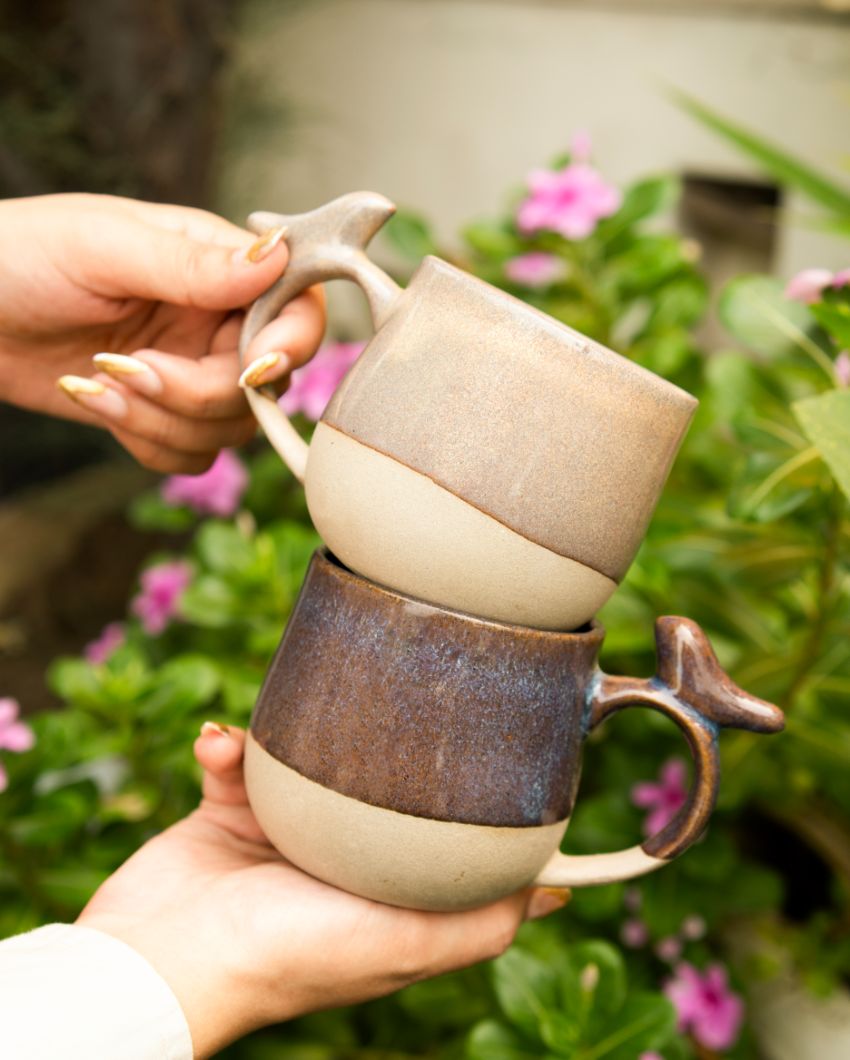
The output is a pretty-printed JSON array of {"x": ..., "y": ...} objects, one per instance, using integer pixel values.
[{"x": 141, "y": 260}]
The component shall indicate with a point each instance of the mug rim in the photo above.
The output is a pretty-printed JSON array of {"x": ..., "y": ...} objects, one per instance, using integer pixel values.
[
  {"x": 325, "y": 559},
  {"x": 685, "y": 399}
]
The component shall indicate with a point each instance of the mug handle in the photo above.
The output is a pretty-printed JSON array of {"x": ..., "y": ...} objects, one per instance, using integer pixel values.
[
  {"x": 328, "y": 243},
  {"x": 693, "y": 690}
]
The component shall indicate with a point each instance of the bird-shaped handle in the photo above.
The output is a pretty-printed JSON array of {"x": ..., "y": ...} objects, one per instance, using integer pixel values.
[
  {"x": 328, "y": 243},
  {"x": 692, "y": 689}
]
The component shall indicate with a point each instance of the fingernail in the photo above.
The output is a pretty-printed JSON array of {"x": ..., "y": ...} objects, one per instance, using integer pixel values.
[
  {"x": 213, "y": 728},
  {"x": 261, "y": 248},
  {"x": 262, "y": 370},
  {"x": 131, "y": 371},
  {"x": 94, "y": 396},
  {"x": 546, "y": 900}
]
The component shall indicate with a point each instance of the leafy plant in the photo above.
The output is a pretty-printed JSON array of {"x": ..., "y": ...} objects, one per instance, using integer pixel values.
[{"x": 751, "y": 539}]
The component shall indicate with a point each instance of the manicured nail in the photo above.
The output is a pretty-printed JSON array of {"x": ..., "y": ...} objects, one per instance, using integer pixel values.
[
  {"x": 131, "y": 371},
  {"x": 213, "y": 728},
  {"x": 546, "y": 900},
  {"x": 264, "y": 369},
  {"x": 94, "y": 396},
  {"x": 260, "y": 250}
]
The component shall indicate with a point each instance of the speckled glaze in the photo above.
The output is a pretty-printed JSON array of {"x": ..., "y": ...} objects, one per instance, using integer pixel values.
[
  {"x": 526, "y": 422},
  {"x": 384, "y": 720}
]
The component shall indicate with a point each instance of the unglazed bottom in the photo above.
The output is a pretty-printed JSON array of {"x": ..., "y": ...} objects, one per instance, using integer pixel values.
[
  {"x": 387, "y": 856},
  {"x": 396, "y": 526}
]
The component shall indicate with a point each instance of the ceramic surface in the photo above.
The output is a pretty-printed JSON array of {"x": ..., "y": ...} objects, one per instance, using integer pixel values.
[
  {"x": 377, "y": 701},
  {"x": 536, "y": 429}
]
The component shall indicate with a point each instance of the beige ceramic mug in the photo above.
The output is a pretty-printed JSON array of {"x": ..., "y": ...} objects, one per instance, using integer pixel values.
[{"x": 479, "y": 454}]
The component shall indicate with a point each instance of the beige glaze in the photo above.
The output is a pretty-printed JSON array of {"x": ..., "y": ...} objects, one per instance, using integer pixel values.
[
  {"x": 467, "y": 559},
  {"x": 388, "y": 856}
]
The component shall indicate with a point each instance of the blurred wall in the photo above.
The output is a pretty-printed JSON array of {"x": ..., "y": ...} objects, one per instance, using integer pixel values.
[{"x": 444, "y": 105}]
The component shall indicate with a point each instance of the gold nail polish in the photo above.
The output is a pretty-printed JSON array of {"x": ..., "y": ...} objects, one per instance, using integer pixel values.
[
  {"x": 261, "y": 249},
  {"x": 210, "y": 727},
  {"x": 562, "y": 894},
  {"x": 256, "y": 372},
  {"x": 118, "y": 364},
  {"x": 77, "y": 384}
]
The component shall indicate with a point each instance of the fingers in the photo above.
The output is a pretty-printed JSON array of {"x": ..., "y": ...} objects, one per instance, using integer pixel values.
[
  {"x": 444, "y": 942},
  {"x": 196, "y": 389},
  {"x": 155, "y": 428},
  {"x": 287, "y": 342},
  {"x": 219, "y": 750},
  {"x": 126, "y": 253}
]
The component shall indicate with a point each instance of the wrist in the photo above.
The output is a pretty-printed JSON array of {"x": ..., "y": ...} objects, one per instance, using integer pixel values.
[{"x": 215, "y": 1001}]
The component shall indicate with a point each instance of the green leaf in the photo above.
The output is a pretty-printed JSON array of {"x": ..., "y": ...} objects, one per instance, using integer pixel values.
[
  {"x": 223, "y": 548},
  {"x": 76, "y": 681},
  {"x": 834, "y": 319},
  {"x": 609, "y": 980},
  {"x": 182, "y": 685},
  {"x": 755, "y": 311},
  {"x": 150, "y": 512},
  {"x": 490, "y": 1040},
  {"x": 826, "y": 421},
  {"x": 493, "y": 239},
  {"x": 410, "y": 234},
  {"x": 526, "y": 988},
  {"x": 646, "y": 198},
  {"x": 211, "y": 602},
  {"x": 645, "y": 1023},
  {"x": 782, "y": 166}
]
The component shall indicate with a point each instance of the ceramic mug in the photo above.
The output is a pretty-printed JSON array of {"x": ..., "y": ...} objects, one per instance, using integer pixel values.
[
  {"x": 479, "y": 454},
  {"x": 426, "y": 758}
]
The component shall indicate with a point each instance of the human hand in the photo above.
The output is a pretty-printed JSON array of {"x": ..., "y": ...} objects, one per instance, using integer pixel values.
[
  {"x": 161, "y": 287},
  {"x": 245, "y": 939}
]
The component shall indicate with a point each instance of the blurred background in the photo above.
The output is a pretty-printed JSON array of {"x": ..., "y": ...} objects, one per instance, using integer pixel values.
[{"x": 446, "y": 106}]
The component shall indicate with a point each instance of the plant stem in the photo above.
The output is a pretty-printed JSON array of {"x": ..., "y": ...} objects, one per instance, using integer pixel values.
[{"x": 825, "y": 600}]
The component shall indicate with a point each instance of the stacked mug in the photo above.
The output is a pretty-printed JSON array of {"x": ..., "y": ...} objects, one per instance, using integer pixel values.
[{"x": 483, "y": 478}]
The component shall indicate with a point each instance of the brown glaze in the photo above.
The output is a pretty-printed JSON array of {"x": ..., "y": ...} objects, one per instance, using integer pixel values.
[
  {"x": 433, "y": 713},
  {"x": 693, "y": 690},
  {"x": 426, "y": 711}
]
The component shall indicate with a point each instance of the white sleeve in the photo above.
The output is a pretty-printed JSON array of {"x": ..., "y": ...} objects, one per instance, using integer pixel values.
[{"x": 74, "y": 993}]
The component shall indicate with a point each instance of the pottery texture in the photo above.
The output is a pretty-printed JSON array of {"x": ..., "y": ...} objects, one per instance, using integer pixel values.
[
  {"x": 430, "y": 758},
  {"x": 546, "y": 431},
  {"x": 466, "y": 398},
  {"x": 426, "y": 711}
]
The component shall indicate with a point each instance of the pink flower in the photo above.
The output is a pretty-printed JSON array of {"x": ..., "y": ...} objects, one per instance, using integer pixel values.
[
  {"x": 650, "y": 1056},
  {"x": 693, "y": 927},
  {"x": 15, "y": 736},
  {"x": 110, "y": 639},
  {"x": 842, "y": 368},
  {"x": 841, "y": 278},
  {"x": 313, "y": 386},
  {"x": 217, "y": 491},
  {"x": 634, "y": 933},
  {"x": 535, "y": 269},
  {"x": 807, "y": 286},
  {"x": 162, "y": 587},
  {"x": 571, "y": 201},
  {"x": 669, "y": 949},
  {"x": 665, "y": 798},
  {"x": 705, "y": 1005}
]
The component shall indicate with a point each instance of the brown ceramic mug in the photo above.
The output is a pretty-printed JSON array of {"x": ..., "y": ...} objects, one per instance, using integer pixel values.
[
  {"x": 427, "y": 758},
  {"x": 479, "y": 454}
]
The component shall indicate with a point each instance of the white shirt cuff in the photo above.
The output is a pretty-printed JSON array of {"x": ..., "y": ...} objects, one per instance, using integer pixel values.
[{"x": 73, "y": 992}]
